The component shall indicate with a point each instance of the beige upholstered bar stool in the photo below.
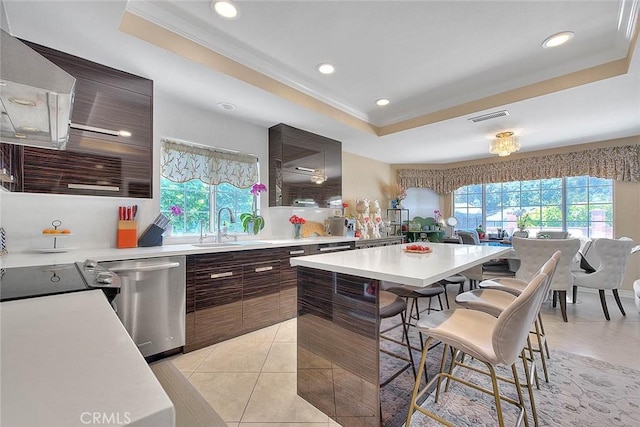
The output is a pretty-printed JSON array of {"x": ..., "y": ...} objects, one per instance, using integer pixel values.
[
  {"x": 494, "y": 302},
  {"x": 487, "y": 339},
  {"x": 391, "y": 305}
]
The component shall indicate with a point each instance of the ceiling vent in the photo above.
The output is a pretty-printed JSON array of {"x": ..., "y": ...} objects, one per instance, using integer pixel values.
[{"x": 489, "y": 116}]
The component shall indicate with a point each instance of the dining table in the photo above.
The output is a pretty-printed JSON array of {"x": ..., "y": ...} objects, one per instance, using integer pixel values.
[{"x": 338, "y": 323}]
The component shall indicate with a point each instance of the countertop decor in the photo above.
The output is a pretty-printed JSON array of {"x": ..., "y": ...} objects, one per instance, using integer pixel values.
[{"x": 252, "y": 222}]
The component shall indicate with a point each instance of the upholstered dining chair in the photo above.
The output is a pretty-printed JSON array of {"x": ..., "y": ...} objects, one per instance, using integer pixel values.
[
  {"x": 474, "y": 274},
  {"x": 532, "y": 254},
  {"x": 553, "y": 234},
  {"x": 490, "y": 340},
  {"x": 612, "y": 255}
]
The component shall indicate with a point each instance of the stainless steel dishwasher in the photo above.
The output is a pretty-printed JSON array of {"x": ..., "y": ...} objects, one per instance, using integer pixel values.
[{"x": 151, "y": 302}]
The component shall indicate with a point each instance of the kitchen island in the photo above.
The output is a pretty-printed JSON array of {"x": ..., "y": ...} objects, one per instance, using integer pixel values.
[{"x": 338, "y": 324}]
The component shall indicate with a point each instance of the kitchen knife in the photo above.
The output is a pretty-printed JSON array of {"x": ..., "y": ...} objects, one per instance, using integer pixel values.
[
  {"x": 128, "y": 213},
  {"x": 134, "y": 211},
  {"x": 120, "y": 213}
]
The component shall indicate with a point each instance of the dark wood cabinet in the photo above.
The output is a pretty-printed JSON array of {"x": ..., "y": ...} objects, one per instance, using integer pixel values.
[
  {"x": 232, "y": 293},
  {"x": 289, "y": 281},
  {"x": 10, "y": 166},
  {"x": 305, "y": 169},
  {"x": 98, "y": 159}
]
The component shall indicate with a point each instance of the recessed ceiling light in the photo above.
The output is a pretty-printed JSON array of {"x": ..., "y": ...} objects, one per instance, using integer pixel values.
[
  {"x": 225, "y": 8},
  {"x": 326, "y": 68},
  {"x": 557, "y": 39},
  {"x": 227, "y": 106},
  {"x": 382, "y": 102},
  {"x": 124, "y": 133}
]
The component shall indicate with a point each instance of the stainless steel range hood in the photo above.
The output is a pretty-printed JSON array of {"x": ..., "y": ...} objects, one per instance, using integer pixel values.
[{"x": 36, "y": 97}]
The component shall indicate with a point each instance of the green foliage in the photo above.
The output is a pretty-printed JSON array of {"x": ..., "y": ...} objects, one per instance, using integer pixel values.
[{"x": 252, "y": 222}]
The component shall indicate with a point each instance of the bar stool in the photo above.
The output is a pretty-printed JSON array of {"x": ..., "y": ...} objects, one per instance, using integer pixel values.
[
  {"x": 414, "y": 294},
  {"x": 391, "y": 305}
]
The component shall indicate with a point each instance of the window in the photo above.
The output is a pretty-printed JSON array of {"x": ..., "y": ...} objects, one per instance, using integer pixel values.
[
  {"x": 582, "y": 205},
  {"x": 200, "y": 181},
  {"x": 200, "y": 202}
]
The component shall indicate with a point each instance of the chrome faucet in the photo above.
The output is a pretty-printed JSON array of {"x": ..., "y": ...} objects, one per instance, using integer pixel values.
[
  {"x": 202, "y": 235},
  {"x": 232, "y": 218}
]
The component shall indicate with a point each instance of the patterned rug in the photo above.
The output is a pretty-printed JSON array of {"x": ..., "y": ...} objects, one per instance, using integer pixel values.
[{"x": 583, "y": 392}]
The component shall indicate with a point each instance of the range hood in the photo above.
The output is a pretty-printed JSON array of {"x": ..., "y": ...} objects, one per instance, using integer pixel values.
[{"x": 36, "y": 97}]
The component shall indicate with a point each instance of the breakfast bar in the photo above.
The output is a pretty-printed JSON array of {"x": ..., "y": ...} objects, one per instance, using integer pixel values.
[{"x": 338, "y": 319}]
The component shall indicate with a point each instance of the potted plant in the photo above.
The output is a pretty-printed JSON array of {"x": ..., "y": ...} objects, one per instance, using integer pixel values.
[{"x": 252, "y": 222}]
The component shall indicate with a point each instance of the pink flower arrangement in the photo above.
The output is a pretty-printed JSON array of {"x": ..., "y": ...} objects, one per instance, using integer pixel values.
[
  {"x": 295, "y": 219},
  {"x": 176, "y": 210},
  {"x": 258, "y": 188},
  {"x": 437, "y": 215}
]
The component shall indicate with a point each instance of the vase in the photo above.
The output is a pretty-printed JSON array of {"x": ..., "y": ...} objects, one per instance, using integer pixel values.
[
  {"x": 296, "y": 231},
  {"x": 394, "y": 204}
]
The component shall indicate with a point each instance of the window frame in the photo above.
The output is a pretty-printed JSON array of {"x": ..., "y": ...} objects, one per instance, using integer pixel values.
[{"x": 608, "y": 207}]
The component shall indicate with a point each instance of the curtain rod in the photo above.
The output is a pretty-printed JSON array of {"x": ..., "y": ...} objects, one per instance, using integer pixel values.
[{"x": 208, "y": 147}]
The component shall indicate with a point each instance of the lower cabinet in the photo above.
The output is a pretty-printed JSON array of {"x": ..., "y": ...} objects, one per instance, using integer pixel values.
[
  {"x": 261, "y": 294},
  {"x": 232, "y": 293}
]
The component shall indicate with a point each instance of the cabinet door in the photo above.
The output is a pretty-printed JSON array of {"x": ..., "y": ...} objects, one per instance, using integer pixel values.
[
  {"x": 261, "y": 294},
  {"x": 218, "y": 302},
  {"x": 289, "y": 281},
  {"x": 11, "y": 167},
  {"x": 106, "y": 100}
]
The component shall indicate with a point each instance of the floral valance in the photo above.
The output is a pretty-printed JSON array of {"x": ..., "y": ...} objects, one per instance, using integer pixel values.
[
  {"x": 183, "y": 162},
  {"x": 618, "y": 163}
]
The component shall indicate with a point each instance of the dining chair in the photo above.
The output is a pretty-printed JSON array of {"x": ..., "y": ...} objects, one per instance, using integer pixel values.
[
  {"x": 612, "y": 255},
  {"x": 533, "y": 253},
  {"x": 490, "y": 340},
  {"x": 552, "y": 234},
  {"x": 495, "y": 301}
]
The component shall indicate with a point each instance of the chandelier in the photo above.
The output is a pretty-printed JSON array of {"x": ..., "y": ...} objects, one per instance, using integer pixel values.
[
  {"x": 318, "y": 176},
  {"x": 504, "y": 144}
]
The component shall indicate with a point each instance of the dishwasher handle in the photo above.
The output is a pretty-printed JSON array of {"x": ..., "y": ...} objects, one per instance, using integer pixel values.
[{"x": 149, "y": 267}]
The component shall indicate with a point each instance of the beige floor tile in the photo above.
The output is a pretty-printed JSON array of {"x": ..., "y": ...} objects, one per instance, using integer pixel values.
[
  {"x": 227, "y": 393},
  {"x": 274, "y": 400},
  {"x": 187, "y": 363},
  {"x": 287, "y": 332},
  {"x": 233, "y": 424},
  {"x": 333, "y": 423},
  {"x": 236, "y": 356},
  {"x": 281, "y": 358},
  {"x": 265, "y": 334}
]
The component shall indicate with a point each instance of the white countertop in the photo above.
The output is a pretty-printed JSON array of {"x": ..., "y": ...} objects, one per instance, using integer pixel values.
[
  {"x": 24, "y": 259},
  {"x": 66, "y": 358},
  {"x": 391, "y": 263}
]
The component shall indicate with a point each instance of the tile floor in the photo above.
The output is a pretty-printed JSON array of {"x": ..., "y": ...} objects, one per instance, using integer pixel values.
[{"x": 251, "y": 380}]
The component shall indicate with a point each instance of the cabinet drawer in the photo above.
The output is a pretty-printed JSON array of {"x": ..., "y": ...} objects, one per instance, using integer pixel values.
[
  {"x": 217, "y": 287},
  {"x": 261, "y": 279}
]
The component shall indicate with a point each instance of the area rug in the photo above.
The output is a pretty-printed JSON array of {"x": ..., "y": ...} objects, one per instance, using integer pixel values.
[{"x": 582, "y": 392}]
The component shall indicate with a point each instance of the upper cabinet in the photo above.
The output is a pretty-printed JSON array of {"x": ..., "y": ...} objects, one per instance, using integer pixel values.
[
  {"x": 110, "y": 148},
  {"x": 305, "y": 169}
]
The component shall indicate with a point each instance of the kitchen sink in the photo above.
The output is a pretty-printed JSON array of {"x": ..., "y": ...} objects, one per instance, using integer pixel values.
[{"x": 215, "y": 245}]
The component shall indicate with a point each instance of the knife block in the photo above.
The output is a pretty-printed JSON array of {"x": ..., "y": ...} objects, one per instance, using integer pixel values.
[
  {"x": 127, "y": 234},
  {"x": 152, "y": 236}
]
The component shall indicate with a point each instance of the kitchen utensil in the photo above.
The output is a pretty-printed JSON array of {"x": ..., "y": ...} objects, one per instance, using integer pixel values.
[
  {"x": 128, "y": 213},
  {"x": 134, "y": 211},
  {"x": 120, "y": 213}
]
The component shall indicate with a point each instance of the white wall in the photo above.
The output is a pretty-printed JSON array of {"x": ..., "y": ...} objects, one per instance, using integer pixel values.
[
  {"x": 93, "y": 220},
  {"x": 421, "y": 202}
]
